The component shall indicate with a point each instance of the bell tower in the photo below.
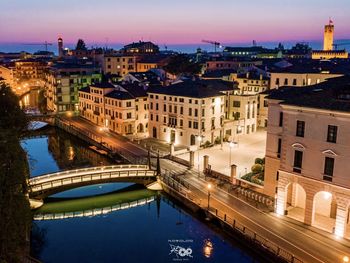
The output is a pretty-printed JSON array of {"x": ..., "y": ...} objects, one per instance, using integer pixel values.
[{"x": 328, "y": 36}]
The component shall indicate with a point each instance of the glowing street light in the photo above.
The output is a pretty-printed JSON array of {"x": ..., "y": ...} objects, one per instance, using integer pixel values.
[
  {"x": 345, "y": 259},
  {"x": 209, "y": 187}
]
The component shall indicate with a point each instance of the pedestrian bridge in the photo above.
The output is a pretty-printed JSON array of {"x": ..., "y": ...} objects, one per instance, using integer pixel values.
[{"x": 49, "y": 184}]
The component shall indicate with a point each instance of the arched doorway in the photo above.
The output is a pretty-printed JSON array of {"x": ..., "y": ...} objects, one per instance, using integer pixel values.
[
  {"x": 193, "y": 139},
  {"x": 295, "y": 201},
  {"x": 324, "y": 211},
  {"x": 140, "y": 128}
]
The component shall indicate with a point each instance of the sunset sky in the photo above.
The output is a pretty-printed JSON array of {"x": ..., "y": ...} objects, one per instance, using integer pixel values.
[{"x": 171, "y": 22}]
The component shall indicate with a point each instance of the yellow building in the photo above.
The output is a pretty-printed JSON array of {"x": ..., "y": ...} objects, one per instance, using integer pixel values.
[{"x": 328, "y": 36}]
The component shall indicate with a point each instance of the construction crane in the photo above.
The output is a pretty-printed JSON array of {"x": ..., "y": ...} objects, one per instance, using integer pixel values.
[
  {"x": 214, "y": 43},
  {"x": 40, "y": 44},
  {"x": 340, "y": 44}
]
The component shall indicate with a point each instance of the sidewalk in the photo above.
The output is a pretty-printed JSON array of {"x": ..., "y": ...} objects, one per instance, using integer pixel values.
[{"x": 310, "y": 244}]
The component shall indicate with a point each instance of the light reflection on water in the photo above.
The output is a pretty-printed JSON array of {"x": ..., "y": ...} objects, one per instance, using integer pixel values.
[{"x": 138, "y": 234}]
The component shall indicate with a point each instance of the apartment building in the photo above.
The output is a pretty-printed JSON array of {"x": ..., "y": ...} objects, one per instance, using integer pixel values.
[
  {"x": 251, "y": 83},
  {"x": 120, "y": 107},
  {"x": 187, "y": 113},
  {"x": 149, "y": 62},
  {"x": 305, "y": 74},
  {"x": 119, "y": 64},
  {"x": 63, "y": 82},
  {"x": 307, "y": 154}
]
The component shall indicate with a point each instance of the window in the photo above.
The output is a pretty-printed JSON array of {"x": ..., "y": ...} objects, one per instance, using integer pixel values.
[
  {"x": 151, "y": 106},
  {"x": 195, "y": 125},
  {"x": 300, "y": 128},
  {"x": 277, "y": 81},
  {"x": 156, "y": 106},
  {"x": 281, "y": 119},
  {"x": 236, "y": 104},
  {"x": 195, "y": 112},
  {"x": 181, "y": 123},
  {"x": 328, "y": 168},
  {"x": 298, "y": 161},
  {"x": 181, "y": 110},
  {"x": 128, "y": 115},
  {"x": 285, "y": 81},
  {"x": 128, "y": 104},
  {"x": 189, "y": 124},
  {"x": 164, "y": 107},
  {"x": 190, "y": 111},
  {"x": 203, "y": 112},
  {"x": 279, "y": 146},
  {"x": 332, "y": 133},
  {"x": 170, "y": 108},
  {"x": 294, "y": 82},
  {"x": 265, "y": 104}
]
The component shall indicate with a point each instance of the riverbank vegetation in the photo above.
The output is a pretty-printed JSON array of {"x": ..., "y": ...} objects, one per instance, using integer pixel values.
[{"x": 15, "y": 215}]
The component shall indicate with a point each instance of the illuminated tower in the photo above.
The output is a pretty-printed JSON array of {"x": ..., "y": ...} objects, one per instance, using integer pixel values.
[
  {"x": 60, "y": 47},
  {"x": 328, "y": 36}
]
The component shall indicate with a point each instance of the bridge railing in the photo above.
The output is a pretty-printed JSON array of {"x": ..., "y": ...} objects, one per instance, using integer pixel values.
[
  {"x": 37, "y": 179},
  {"x": 99, "y": 176}
]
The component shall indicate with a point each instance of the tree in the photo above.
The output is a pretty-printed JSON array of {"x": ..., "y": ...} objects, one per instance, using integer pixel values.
[
  {"x": 80, "y": 45},
  {"x": 181, "y": 64},
  {"x": 15, "y": 215}
]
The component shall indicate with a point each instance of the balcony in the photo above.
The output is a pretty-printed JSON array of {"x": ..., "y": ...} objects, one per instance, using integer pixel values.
[{"x": 171, "y": 125}]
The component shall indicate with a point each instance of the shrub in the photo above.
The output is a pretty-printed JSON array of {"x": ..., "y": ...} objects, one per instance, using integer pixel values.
[
  {"x": 257, "y": 168},
  {"x": 259, "y": 161},
  {"x": 217, "y": 140}
]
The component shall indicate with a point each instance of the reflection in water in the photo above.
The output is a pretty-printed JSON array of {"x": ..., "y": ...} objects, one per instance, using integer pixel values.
[
  {"x": 30, "y": 99},
  {"x": 60, "y": 208},
  {"x": 207, "y": 248}
]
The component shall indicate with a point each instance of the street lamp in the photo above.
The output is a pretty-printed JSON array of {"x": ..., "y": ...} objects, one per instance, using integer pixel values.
[
  {"x": 209, "y": 187},
  {"x": 231, "y": 146},
  {"x": 199, "y": 138}
]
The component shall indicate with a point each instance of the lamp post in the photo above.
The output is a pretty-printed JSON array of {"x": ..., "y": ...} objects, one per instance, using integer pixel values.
[
  {"x": 231, "y": 146},
  {"x": 209, "y": 187},
  {"x": 199, "y": 138}
]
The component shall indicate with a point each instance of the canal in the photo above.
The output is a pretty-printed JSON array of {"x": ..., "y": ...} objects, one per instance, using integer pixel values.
[{"x": 152, "y": 229}]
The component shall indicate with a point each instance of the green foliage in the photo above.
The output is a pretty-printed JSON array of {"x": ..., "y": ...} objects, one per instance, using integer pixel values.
[
  {"x": 80, "y": 45},
  {"x": 259, "y": 161},
  {"x": 206, "y": 144},
  {"x": 13, "y": 120},
  {"x": 15, "y": 216},
  {"x": 217, "y": 140},
  {"x": 257, "y": 168},
  {"x": 181, "y": 64}
]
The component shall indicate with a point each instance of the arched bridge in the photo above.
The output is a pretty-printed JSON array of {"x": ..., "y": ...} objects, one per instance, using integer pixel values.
[
  {"x": 46, "y": 185},
  {"x": 48, "y": 118}
]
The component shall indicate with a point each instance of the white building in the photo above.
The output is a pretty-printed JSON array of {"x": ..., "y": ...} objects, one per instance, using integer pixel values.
[
  {"x": 308, "y": 154},
  {"x": 188, "y": 113}
]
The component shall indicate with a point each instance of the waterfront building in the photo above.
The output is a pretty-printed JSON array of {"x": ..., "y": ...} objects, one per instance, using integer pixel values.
[
  {"x": 7, "y": 72},
  {"x": 63, "y": 82},
  {"x": 121, "y": 107},
  {"x": 307, "y": 153},
  {"x": 189, "y": 113}
]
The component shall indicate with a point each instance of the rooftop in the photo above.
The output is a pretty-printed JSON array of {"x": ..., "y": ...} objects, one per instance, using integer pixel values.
[
  {"x": 333, "y": 94},
  {"x": 195, "y": 89}
]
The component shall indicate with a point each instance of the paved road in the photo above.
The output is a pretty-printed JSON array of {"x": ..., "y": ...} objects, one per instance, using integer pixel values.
[{"x": 301, "y": 241}]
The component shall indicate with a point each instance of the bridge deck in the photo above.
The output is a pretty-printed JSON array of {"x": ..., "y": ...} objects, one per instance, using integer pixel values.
[{"x": 100, "y": 173}]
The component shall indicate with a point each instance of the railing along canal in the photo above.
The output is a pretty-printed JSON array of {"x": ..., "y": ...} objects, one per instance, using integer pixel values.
[
  {"x": 183, "y": 188},
  {"x": 88, "y": 174}
]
